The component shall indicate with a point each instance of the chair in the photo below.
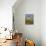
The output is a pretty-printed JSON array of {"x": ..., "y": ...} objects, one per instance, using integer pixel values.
[
  {"x": 18, "y": 39},
  {"x": 29, "y": 43}
]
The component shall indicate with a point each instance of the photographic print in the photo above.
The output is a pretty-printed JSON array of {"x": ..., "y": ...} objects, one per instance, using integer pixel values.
[{"x": 29, "y": 19}]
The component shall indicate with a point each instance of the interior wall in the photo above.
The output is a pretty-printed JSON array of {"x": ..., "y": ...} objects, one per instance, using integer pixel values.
[
  {"x": 43, "y": 22},
  {"x": 6, "y": 13},
  {"x": 32, "y": 32}
]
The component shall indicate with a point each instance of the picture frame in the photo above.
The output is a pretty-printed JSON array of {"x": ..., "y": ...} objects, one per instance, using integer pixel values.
[{"x": 29, "y": 19}]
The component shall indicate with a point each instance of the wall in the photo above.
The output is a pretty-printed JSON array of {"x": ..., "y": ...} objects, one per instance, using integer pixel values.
[
  {"x": 43, "y": 22},
  {"x": 6, "y": 19},
  {"x": 6, "y": 13},
  {"x": 32, "y": 32}
]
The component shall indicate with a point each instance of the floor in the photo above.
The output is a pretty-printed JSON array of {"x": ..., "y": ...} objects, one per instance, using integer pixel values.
[{"x": 9, "y": 43}]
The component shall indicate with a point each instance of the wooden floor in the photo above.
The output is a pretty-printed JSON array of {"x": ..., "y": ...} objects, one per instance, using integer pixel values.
[{"x": 8, "y": 43}]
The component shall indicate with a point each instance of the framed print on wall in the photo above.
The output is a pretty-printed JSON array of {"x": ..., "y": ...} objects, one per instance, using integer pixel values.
[{"x": 29, "y": 19}]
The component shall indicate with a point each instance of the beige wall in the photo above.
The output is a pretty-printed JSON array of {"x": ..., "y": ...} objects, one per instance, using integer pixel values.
[
  {"x": 30, "y": 31},
  {"x": 43, "y": 22},
  {"x": 6, "y": 13},
  {"x": 6, "y": 18}
]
